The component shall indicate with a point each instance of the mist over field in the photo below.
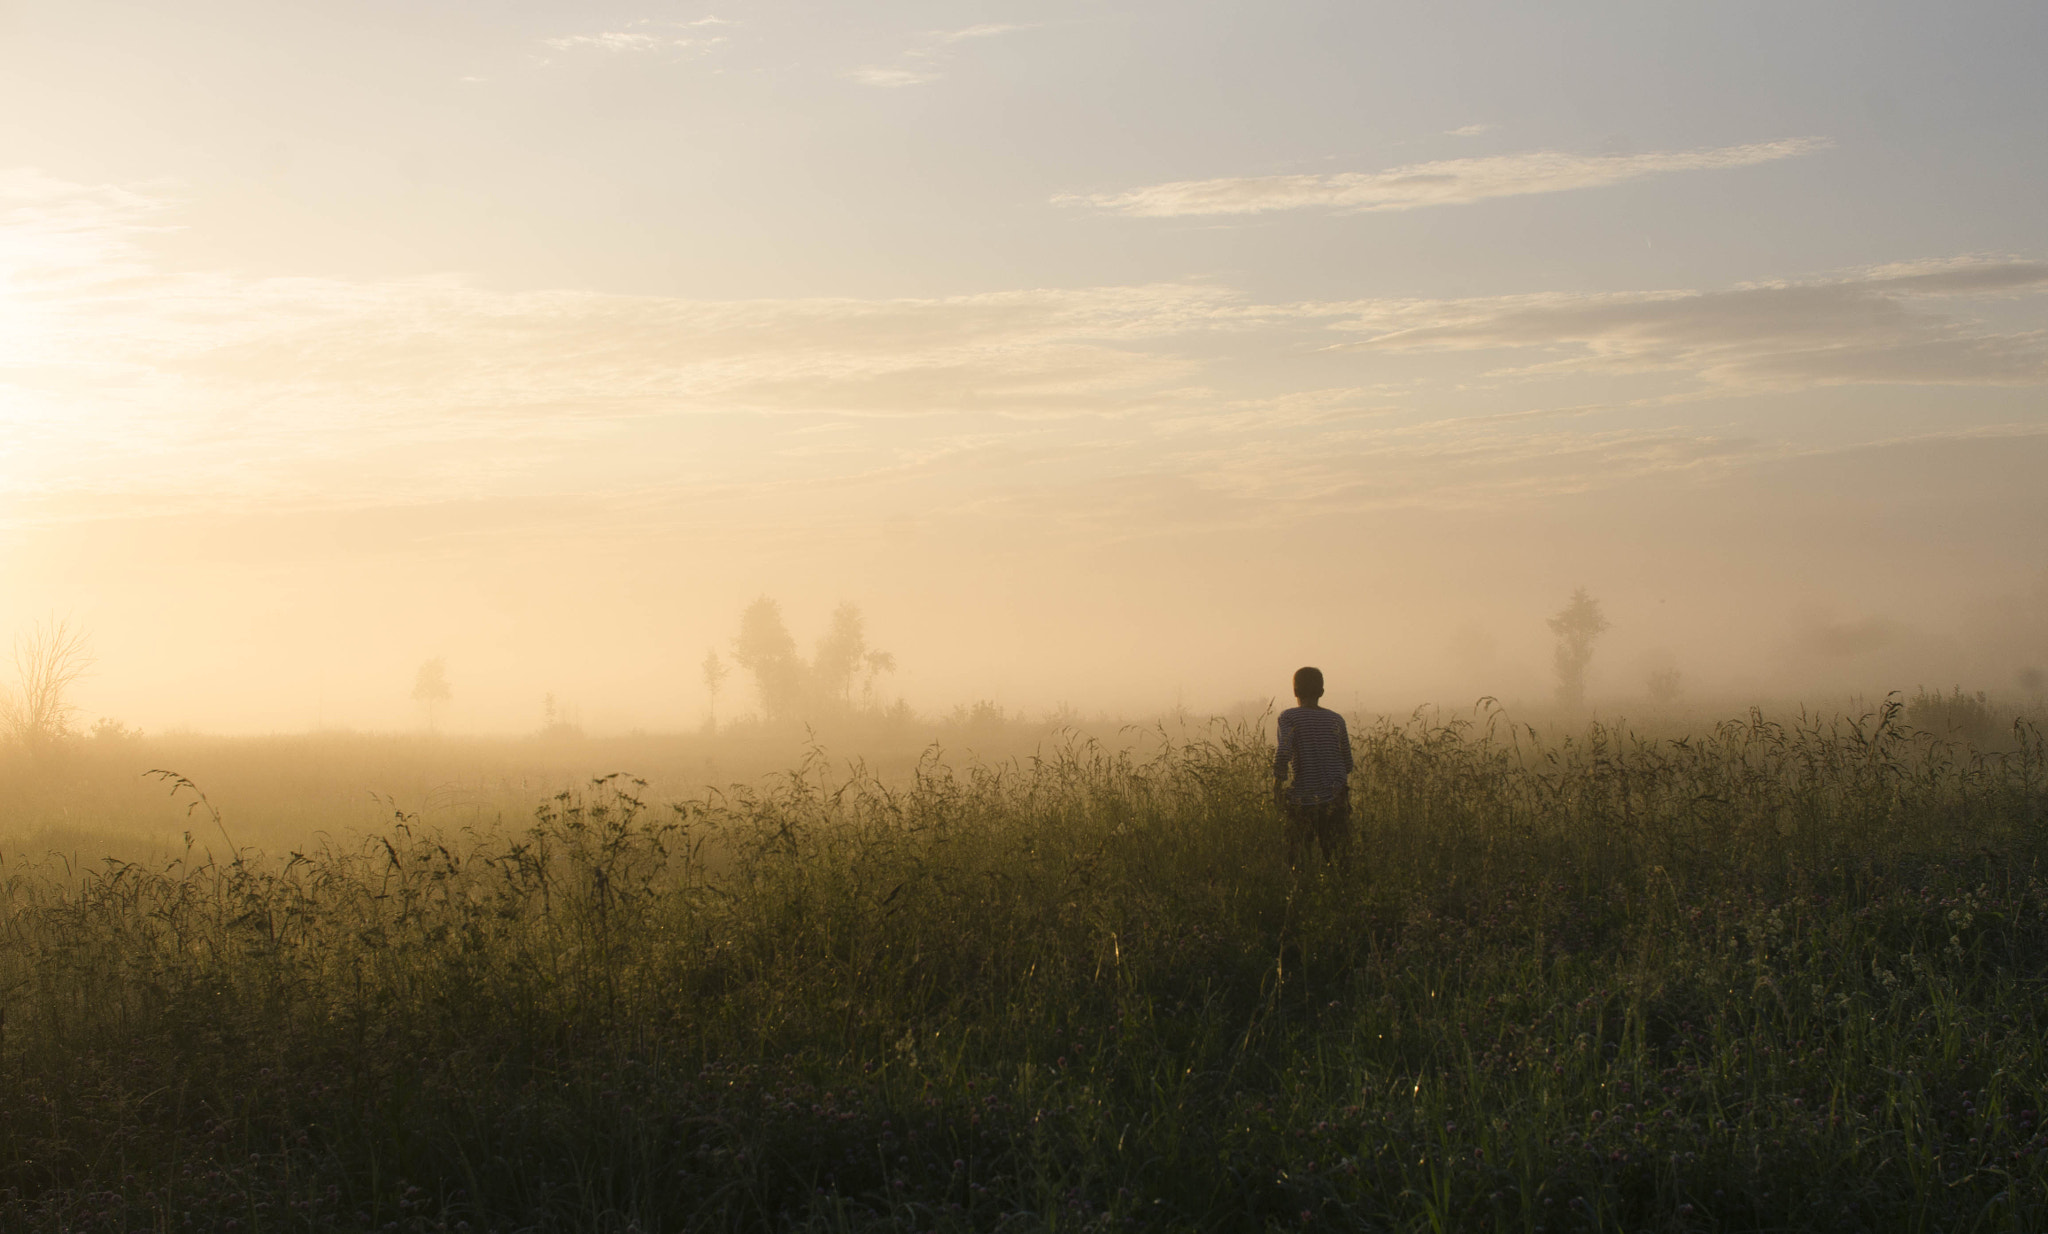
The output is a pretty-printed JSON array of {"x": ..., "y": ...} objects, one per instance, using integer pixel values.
[
  {"x": 766, "y": 702},
  {"x": 626, "y": 657}
]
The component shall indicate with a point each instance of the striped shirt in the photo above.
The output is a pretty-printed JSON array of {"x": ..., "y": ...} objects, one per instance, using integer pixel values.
[{"x": 1318, "y": 745}]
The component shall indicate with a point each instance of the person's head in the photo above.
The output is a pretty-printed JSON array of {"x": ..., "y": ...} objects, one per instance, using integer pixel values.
[{"x": 1308, "y": 685}]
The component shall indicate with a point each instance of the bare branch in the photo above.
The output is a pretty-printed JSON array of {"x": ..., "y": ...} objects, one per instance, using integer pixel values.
[{"x": 48, "y": 661}]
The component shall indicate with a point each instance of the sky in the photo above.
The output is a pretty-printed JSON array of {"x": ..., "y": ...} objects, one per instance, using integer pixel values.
[{"x": 1114, "y": 355}]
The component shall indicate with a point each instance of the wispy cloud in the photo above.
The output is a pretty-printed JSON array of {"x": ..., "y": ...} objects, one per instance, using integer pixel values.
[
  {"x": 1869, "y": 327},
  {"x": 1443, "y": 183},
  {"x": 57, "y": 235},
  {"x": 921, "y": 62},
  {"x": 973, "y": 32},
  {"x": 890, "y": 77},
  {"x": 1470, "y": 130},
  {"x": 643, "y": 36},
  {"x": 609, "y": 40}
]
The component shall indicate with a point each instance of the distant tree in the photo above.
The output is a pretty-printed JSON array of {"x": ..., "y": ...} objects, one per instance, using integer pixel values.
[
  {"x": 48, "y": 661},
  {"x": 765, "y": 649},
  {"x": 983, "y": 716},
  {"x": 789, "y": 685},
  {"x": 557, "y": 719},
  {"x": 877, "y": 663},
  {"x": 430, "y": 689},
  {"x": 108, "y": 730},
  {"x": 840, "y": 656},
  {"x": 1576, "y": 626},
  {"x": 715, "y": 673},
  {"x": 1666, "y": 685}
]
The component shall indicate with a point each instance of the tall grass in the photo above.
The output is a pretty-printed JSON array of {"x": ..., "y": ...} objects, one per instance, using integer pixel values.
[
  {"x": 1774, "y": 976},
  {"x": 86, "y": 797}
]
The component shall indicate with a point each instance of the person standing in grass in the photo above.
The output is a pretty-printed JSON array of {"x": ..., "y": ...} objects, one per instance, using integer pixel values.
[{"x": 1316, "y": 747}]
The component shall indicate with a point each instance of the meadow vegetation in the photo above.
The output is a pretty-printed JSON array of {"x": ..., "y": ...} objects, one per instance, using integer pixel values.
[{"x": 1768, "y": 975}]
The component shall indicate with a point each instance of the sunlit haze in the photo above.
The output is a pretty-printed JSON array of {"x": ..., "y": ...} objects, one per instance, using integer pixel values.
[{"x": 1114, "y": 355}]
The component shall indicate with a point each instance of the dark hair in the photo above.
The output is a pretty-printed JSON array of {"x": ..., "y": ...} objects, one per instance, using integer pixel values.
[{"x": 1308, "y": 683}]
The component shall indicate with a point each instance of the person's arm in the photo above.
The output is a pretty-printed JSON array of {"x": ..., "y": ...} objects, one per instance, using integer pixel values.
[
  {"x": 1344, "y": 739},
  {"x": 1282, "y": 755}
]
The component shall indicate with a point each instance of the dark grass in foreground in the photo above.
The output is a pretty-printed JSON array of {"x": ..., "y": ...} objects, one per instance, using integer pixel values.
[{"x": 1769, "y": 978}]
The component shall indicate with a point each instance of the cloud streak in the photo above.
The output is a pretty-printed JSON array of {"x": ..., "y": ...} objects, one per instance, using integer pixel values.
[
  {"x": 988, "y": 30},
  {"x": 609, "y": 40},
  {"x": 638, "y": 38},
  {"x": 1448, "y": 182},
  {"x": 921, "y": 63},
  {"x": 1879, "y": 327},
  {"x": 890, "y": 77}
]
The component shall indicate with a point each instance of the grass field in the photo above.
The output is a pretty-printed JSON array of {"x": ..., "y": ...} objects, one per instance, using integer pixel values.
[{"x": 1767, "y": 976}]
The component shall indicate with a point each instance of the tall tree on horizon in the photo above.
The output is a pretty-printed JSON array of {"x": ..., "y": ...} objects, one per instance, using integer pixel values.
[
  {"x": 1576, "y": 626},
  {"x": 715, "y": 673},
  {"x": 765, "y": 649},
  {"x": 840, "y": 655},
  {"x": 430, "y": 689}
]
